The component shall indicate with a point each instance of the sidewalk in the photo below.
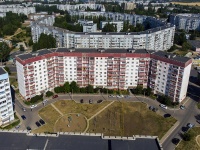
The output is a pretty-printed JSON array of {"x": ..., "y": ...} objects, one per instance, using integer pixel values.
[{"x": 169, "y": 132}]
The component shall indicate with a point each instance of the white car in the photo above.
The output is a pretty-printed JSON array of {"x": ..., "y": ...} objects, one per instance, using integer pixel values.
[
  {"x": 163, "y": 106},
  {"x": 33, "y": 106},
  {"x": 44, "y": 101}
]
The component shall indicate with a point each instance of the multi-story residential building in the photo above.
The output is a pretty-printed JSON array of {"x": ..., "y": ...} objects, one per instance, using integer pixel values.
[
  {"x": 6, "y": 105},
  {"x": 158, "y": 38},
  {"x": 90, "y": 27},
  {"x": 106, "y": 68},
  {"x": 2, "y": 15},
  {"x": 119, "y": 24},
  {"x": 18, "y": 9},
  {"x": 186, "y": 21}
]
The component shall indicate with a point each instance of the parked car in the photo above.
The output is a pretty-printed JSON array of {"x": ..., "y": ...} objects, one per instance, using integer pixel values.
[
  {"x": 17, "y": 127},
  {"x": 24, "y": 109},
  {"x": 81, "y": 101},
  {"x": 33, "y": 106},
  {"x": 110, "y": 96},
  {"x": 182, "y": 107},
  {"x": 189, "y": 125},
  {"x": 90, "y": 101},
  {"x": 155, "y": 109},
  {"x": 151, "y": 107},
  {"x": 163, "y": 106},
  {"x": 44, "y": 101},
  {"x": 38, "y": 124},
  {"x": 175, "y": 141},
  {"x": 41, "y": 121},
  {"x": 28, "y": 128},
  {"x": 167, "y": 115},
  {"x": 55, "y": 96},
  {"x": 23, "y": 117},
  {"x": 99, "y": 101}
]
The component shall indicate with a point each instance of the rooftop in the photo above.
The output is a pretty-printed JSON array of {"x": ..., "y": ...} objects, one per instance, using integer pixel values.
[
  {"x": 101, "y": 50},
  {"x": 171, "y": 56},
  {"x": 71, "y": 142}
]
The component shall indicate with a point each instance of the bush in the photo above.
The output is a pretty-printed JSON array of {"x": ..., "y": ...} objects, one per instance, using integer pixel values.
[
  {"x": 167, "y": 100},
  {"x": 187, "y": 136},
  {"x": 49, "y": 94},
  {"x": 34, "y": 99}
]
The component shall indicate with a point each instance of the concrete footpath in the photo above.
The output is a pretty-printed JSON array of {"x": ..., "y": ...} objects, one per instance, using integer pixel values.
[{"x": 169, "y": 132}]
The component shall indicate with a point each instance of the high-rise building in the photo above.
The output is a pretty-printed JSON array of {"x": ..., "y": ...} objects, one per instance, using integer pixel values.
[
  {"x": 6, "y": 105},
  {"x": 106, "y": 68}
]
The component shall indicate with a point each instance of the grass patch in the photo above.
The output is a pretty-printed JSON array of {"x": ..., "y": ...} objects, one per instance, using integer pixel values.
[
  {"x": 13, "y": 81},
  {"x": 49, "y": 115},
  {"x": 198, "y": 105},
  {"x": 192, "y": 144},
  {"x": 86, "y": 109},
  {"x": 181, "y": 53},
  {"x": 130, "y": 118}
]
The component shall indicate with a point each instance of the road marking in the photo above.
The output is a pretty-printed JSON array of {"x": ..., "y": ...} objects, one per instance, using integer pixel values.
[{"x": 46, "y": 144}]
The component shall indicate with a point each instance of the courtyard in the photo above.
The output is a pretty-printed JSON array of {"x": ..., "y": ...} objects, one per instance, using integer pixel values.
[{"x": 109, "y": 117}]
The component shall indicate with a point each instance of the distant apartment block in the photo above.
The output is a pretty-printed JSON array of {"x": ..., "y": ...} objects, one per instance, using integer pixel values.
[
  {"x": 2, "y": 15},
  {"x": 88, "y": 26},
  {"x": 119, "y": 24},
  {"x": 158, "y": 38},
  {"x": 186, "y": 21},
  {"x": 18, "y": 9},
  {"x": 165, "y": 73},
  {"x": 6, "y": 105}
]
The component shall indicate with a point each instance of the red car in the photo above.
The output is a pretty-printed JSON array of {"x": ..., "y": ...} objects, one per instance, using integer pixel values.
[{"x": 55, "y": 96}]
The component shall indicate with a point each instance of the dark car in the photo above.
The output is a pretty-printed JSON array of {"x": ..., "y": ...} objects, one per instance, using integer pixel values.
[
  {"x": 151, "y": 107},
  {"x": 23, "y": 117},
  {"x": 28, "y": 128},
  {"x": 167, "y": 115},
  {"x": 38, "y": 124},
  {"x": 100, "y": 101},
  {"x": 175, "y": 141},
  {"x": 155, "y": 109},
  {"x": 81, "y": 101},
  {"x": 41, "y": 121},
  {"x": 55, "y": 96},
  {"x": 185, "y": 129}
]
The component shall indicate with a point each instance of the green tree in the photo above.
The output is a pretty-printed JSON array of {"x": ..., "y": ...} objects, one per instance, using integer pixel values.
[
  {"x": 45, "y": 41},
  {"x": 30, "y": 42},
  {"x": 21, "y": 48},
  {"x": 74, "y": 87},
  {"x": 187, "y": 136},
  {"x": 90, "y": 88},
  {"x": 49, "y": 94},
  {"x": 147, "y": 91},
  {"x": 138, "y": 90},
  {"x": 8, "y": 70},
  {"x": 109, "y": 28},
  {"x": 66, "y": 87},
  {"x": 186, "y": 46},
  {"x": 4, "y": 51}
]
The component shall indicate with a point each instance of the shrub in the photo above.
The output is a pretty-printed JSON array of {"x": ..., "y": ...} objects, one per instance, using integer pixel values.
[{"x": 49, "y": 94}]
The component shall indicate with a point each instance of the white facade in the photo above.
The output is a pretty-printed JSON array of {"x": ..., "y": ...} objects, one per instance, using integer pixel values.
[
  {"x": 186, "y": 21},
  {"x": 90, "y": 27},
  {"x": 6, "y": 105},
  {"x": 119, "y": 24},
  {"x": 159, "y": 38},
  {"x": 2, "y": 15},
  {"x": 106, "y": 68},
  {"x": 17, "y": 9}
]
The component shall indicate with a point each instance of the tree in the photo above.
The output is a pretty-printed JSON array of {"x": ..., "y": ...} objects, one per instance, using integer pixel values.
[
  {"x": 66, "y": 87},
  {"x": 30, "y": 42},
  {"x": 4, "y": 51},
  {"x": 109, "y": 28},
  {"x": 74, "y": 87},
  {"x": 8, "y": 70},
  {"x": 187, "y": 136},
  {"x": 21, "y": 48},
  {"x": 147, "y": 91},
  {"x": 45, "y": 41},
  {"x": 49, "y": 94},
  {"x": 138, "y": 90},
  {"x": 186, "y": 46},
  {"x": 90, "y": 89}
]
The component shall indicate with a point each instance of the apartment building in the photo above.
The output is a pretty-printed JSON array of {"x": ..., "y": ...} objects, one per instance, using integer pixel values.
[
  {"x": 186, "y": 21},
  {"x": 158, "y": 38},
  {"x": 18, "y": 9},
  {"x": 6, "y": 105},
  {"x": 2, "y": 15},
  {"x": 90, "y": 27},
  {"x": 119, "y": 24},
  {"x": 106, "y": 68}
]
